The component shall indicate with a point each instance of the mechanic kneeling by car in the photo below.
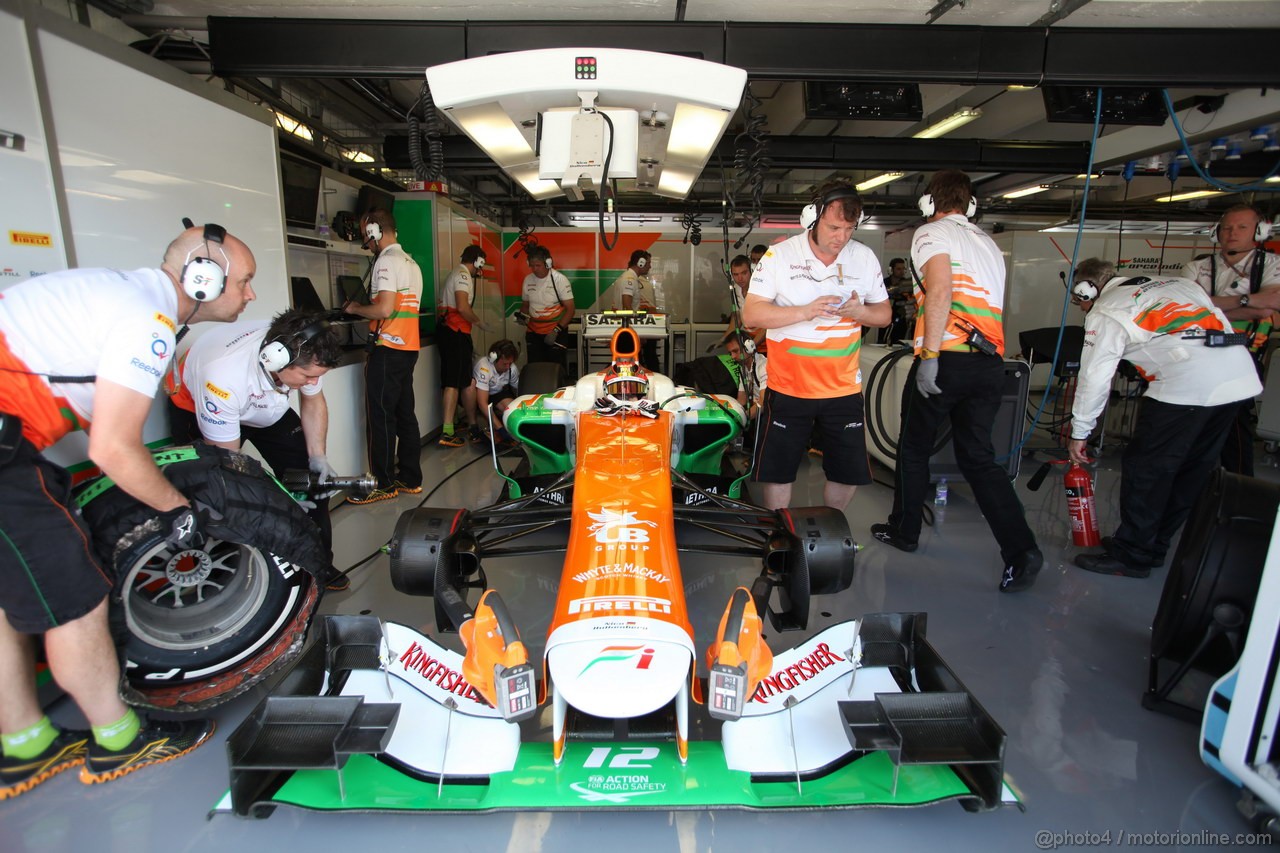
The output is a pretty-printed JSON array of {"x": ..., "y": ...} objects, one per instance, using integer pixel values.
[
  {"x": 85, "y": 349},
  {"x": 233, "y": 386}
]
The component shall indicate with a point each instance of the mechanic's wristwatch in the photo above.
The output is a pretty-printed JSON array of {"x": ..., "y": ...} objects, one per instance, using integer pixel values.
[
  {"x": 928, "y": 353},
  {"x": 1244, "y": 300}
]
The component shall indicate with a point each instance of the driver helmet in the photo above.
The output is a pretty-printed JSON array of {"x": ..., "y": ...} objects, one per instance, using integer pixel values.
[{"x": 626, "y": 380}]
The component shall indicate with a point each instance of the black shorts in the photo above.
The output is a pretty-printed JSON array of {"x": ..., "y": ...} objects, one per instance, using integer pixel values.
[
  {"x": 836, "y": 424},
  {"x": 49, "y": 573},
  {"x": 455, "y": 357}
]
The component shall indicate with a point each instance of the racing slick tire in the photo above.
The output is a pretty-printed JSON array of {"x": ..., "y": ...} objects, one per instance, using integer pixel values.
[{"x": 199, "y": 626}]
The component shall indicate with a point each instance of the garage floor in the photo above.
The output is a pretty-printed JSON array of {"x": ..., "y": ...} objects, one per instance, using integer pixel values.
[{"x": 1061, "y": 667}]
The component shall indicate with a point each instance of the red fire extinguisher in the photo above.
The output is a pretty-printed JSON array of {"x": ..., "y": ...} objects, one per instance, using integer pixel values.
[{"x": 1084, "y": 516}]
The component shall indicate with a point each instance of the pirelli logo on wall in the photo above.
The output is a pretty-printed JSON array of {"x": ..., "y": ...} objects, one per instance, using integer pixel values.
[{"x": 28, "y": 238}]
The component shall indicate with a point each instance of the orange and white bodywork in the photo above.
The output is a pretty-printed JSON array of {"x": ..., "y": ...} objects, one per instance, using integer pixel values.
[{"x": 620, "y": 643}]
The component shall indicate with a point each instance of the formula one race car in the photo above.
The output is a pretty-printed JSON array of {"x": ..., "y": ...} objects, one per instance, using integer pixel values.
[{"x": 624, "y": 476}]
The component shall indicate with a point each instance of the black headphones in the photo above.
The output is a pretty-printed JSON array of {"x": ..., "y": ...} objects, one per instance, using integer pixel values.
[
  {"x": 813, "y": 211},
  {"x": 276, "y": 355},
  {"x": 202, "y": 278}
]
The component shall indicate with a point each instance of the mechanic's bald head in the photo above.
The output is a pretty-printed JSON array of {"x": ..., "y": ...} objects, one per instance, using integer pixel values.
[{"x": 231, "y": 255}]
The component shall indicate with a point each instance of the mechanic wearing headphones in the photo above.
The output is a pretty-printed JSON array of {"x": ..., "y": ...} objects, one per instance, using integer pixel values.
[
  {"x": 1243, "y": 281},
  {"x": 814, "y": 292},
  {"x": 233, "y": 386},
  {"x": 958, "y": 374},
  {"x": 395, "y": 443},
  {"x": 740, "y": 269},
  {"x": 495, "y": 379},
  {"x": 634, "y": 291},
  {"x": 1165, "y": 328},
  {"x": 546, "y": 308},
  {"x": 454, "y": 336},
  {"x": 118, "y": 326}
]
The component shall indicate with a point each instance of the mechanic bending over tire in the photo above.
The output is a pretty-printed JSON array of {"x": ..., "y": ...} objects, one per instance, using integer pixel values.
[
  {"x": 233, "y": 386},
  {"x": 85, "y": 349},
  {"x": 958, "y": 375}
]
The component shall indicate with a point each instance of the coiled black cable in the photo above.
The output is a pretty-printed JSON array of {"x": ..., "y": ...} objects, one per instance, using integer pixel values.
[
  {"x": 751, "y": 161},
  {"x": 430, "y": 167}
]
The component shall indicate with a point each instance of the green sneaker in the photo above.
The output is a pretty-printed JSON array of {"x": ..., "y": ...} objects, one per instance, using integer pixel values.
[
  {"x": 157, "y": 741},
  {"x": 19, "y": 775}
]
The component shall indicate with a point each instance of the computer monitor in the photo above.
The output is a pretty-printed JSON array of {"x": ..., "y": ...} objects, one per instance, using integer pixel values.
[
  {"x": 305, "y": 297},
  {"x": 352, "y": 287}
]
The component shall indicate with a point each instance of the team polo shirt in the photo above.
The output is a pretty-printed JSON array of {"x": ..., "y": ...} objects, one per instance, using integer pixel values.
[
  {"x": 640, "y": 289},
  {"x": 395, "y": 272},
  {"x": 459, "y": 279},
  {"x": 112, "y": 324},
  {"x": 489, "y": 378},
  {"x": 225, "y": 385},
  {"x": 816, "y": 359},
  {"x": 1233, "y": 280},
  {"x": 545, "y": 296},
  {"x": 977, "y": 281},
  {"x": 1146, "y": 324}
]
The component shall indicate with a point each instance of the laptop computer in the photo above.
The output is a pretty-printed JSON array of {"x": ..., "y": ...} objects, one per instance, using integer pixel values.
[{"x": 352, "y": 287}]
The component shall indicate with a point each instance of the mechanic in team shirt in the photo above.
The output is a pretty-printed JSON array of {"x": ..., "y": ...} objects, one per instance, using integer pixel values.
[
  {"x": 814, "y": 292},
  {"x": 85, "y": 349},
  {"x": 233, "y": 386},
  {"x": 453, "y": 335},
  {"x": 1161, "y": 326},
  {"x": 546, "y": 308},
  {"x": 495, "y": 379}
]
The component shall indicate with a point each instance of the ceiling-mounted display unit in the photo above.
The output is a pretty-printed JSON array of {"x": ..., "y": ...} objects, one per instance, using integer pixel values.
[
  {"x": 539, "y": 114},
  {"x": 882, "y": 101},
  {"x": 1120, "y": 105}
]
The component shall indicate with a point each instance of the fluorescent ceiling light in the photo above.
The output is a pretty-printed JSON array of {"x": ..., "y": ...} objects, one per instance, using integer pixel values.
[
  {"x": 1190, "y": 195},
  {"x": 1274, "y": 179},
  {"x": 292, "y": 125},
  {"x": 676, "y": 182},
  {"x": 959, "y": 118},
  {"x": 358, "y": 156},
  {"x": 1082, "y": 176},
  {"x": 1026, "y": 191},
  {"x": 1018, "y": 87},
  {"x": 527, "y": 175},
  {"x": 879, "y": 181},
  {"x": 495, "y": 132},
  {"x": 694, "y": 132}
]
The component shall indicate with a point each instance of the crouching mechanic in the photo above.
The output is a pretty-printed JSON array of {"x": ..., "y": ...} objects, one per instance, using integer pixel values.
[
  {"x": 233, "y": 385},
  {"x": 496, "y": 380},
  {"x": 1162, "y": 326},
  {"x": 85, "y": 349}
]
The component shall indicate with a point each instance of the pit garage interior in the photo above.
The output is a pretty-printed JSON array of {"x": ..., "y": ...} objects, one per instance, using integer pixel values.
[{"x": 277, "y": 118}]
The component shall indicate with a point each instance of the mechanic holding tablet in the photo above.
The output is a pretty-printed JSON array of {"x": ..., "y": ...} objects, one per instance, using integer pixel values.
[
  {"x": 85, "y": 349},
  {"x": 233, "y": 386}
]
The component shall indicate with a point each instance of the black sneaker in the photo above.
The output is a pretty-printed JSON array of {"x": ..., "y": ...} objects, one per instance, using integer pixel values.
[
  {"x": 19, "y": 775},
  {"x": 477, "y": 435},
  {"x": 1108, "y": 546},
  {"x": 1109, "y": 564},
  {"x": 1021, "y": 572},
  {"x": 157, "y": 742},
  {"x": 884, "y": 533}
]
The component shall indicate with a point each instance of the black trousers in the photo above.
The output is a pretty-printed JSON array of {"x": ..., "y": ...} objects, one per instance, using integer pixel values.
[
  {"x": 395, "y": 443},
  {"x": 281, "y": 444},
  {"x": 1163, "y": 471},
  {"x": 971, "y": 386},
  {"x": 1237, "y": 450},
  {"x": 537, "y": 349}
]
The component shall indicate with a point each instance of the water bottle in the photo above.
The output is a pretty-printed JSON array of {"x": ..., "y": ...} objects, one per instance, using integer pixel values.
[
  {"x": 323, "y": 228},
  {"x": 940, "y": 495}
]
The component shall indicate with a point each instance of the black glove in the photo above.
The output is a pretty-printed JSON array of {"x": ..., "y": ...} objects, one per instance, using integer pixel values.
[{"x": 184, "y": 527}]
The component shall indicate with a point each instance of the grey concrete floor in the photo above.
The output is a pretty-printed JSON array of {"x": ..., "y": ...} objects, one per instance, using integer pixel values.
[{"x": 1061, "y": 667}]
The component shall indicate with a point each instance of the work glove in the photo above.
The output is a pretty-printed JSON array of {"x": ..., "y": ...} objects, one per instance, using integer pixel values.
[
  {"x": 184, "y": 528},
  {"x": 320, "y": 466},
  {"x": 522, "y": 318},
  {"x": 927, "y": 377},
  {"x": 552, "y": 338}
]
